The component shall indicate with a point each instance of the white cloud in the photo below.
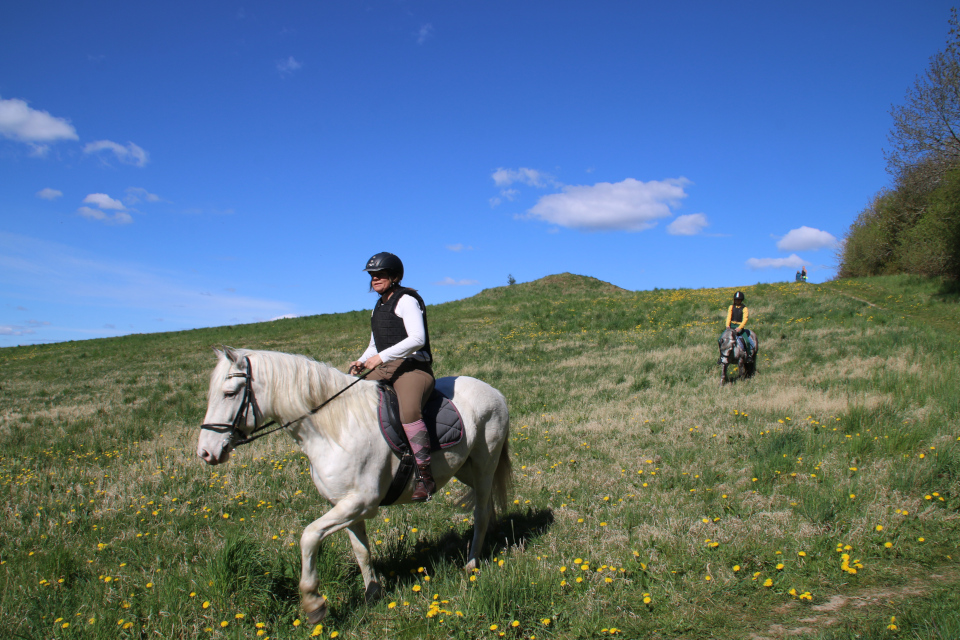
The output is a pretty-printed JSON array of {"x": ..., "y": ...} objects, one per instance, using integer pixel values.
[
  {"x": 14, "y": 330},
  {"x": 49, "y": 194},
  {"x": 530, "y": 177},
  {"x": 459, "y": 247},
  {"x": 103, "y": 201},
  {"x": 19, "y": 122},
  {"x": 130, "y": 154},
  {"x": 56, "y": 273},
  {"x": 631, "y": 205},
  {"x": 450, "y": 282},
  {"x": 689, "y": 225},
  {"x": 425, "y": 32},
  {"x": 806, "y": 239},
  {"x": 288, "y": 66},
  {"x": 793, "y": 262},
  {"x": 120, "y": 217},
  {"x": 509, "y": 194},
  {"x": 137, "y": 194},
  {"x": 285, "y": 316}
]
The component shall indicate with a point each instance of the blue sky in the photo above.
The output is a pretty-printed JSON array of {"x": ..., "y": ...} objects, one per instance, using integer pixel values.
[{"x": 175, "y": 165}]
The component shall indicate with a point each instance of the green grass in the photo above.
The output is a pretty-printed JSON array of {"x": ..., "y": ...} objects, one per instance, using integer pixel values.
[{"x": 629, "y": 457}]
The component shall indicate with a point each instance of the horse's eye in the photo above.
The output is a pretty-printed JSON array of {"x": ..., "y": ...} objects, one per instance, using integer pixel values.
[{"x": 230, "y": 394}]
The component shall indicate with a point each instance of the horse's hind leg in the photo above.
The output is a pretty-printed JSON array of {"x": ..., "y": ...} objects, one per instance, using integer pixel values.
[
  {"x": 482, "y": 512},
  {"x": 361, "y": 549}
]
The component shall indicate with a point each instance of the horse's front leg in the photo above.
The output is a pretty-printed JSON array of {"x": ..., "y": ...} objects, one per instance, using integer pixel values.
[
  {"x": 345, "y": 513},
  {"x": 361, "y": 549},
  {"x": 723, "y": 374}
]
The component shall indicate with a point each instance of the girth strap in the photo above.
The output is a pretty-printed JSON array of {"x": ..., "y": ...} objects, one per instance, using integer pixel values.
[{"x": 400, "y": 481}]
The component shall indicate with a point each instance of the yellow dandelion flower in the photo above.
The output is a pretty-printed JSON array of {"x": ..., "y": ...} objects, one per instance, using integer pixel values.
[
  {"x": 515, "y": 623},
  {"x": 224, "y": 624},
  {"x": 493, "y": 627},
  {"x": 768, "y": 582},
  {"x": 206, "y": 604}
]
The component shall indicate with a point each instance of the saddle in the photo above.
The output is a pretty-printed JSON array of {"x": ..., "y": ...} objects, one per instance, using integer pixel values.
[{"x": 444, "y": 426}]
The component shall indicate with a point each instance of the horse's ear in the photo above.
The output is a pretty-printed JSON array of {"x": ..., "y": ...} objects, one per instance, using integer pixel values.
[
  {"x": 217, "y": 353},
  {"x": 231, "y": 354}
]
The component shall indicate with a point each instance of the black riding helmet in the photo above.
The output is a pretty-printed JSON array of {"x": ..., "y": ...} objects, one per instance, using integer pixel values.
[
  {"x": 738, "y": 297},
  {"x": 385, "y": 261}
]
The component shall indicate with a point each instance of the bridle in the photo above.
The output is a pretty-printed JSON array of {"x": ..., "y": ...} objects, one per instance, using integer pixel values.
[{"x": 249, "y": 402}]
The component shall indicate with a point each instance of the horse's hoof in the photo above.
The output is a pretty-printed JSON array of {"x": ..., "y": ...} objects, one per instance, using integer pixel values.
[
  {"x": 373, "y": 592},
  {"x": 318, "y": 614}
]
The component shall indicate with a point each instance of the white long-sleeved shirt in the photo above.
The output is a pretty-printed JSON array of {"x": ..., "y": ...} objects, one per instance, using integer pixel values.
[{"x": 409, "y": 310}]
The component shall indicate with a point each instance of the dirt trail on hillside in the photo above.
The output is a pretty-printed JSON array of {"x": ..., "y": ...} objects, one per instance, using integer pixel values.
[{"x": 830, "y": 612}]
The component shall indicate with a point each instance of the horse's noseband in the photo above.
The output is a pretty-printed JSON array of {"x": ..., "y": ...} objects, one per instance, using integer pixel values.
[{"x": 249, "y": 401}]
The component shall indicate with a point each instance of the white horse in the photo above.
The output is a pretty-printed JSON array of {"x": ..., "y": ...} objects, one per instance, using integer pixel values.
[{"x": 351, "y": 464}]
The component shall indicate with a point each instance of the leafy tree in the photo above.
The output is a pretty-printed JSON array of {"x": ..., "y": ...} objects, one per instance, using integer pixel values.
[
  {"x": 915, "y": 226},
  {"x": 926, "y": 128}
]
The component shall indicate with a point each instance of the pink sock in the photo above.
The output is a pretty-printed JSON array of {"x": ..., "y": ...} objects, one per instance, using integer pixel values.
[{"x": 419, "y": 441}]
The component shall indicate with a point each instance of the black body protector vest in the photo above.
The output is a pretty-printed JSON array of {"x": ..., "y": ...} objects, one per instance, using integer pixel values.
[
  {"x": 736, "y": 315},
  {"x": 388, "y": 328}
]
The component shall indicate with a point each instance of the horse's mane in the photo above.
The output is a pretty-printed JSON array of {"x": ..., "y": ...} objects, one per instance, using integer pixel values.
[{"x": 298, "y": 384}]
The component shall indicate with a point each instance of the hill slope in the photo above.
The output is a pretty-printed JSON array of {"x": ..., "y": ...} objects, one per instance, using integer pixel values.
[{"x": 638, "y": 477}]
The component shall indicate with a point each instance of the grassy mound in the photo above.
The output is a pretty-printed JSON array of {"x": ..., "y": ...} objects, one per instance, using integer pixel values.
[{"x": 649, "y": 502}]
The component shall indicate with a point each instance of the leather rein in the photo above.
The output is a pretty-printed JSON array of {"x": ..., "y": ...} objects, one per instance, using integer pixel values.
[{"x": 249, "y": 402}]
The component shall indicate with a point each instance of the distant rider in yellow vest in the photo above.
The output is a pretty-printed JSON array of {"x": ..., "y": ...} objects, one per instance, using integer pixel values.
[{"x": 737, "y": 316}]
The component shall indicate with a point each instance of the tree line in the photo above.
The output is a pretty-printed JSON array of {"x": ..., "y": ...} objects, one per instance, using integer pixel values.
[{"x": 914, "y": 226}]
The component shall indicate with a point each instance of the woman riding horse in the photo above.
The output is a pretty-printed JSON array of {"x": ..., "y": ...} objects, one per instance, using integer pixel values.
[
  {"x": 737, "y": 316},
  {"x": 399, "y": 353}
]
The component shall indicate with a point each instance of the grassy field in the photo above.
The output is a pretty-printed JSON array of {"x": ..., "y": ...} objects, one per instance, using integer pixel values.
[{"x": 819, "y": 499}]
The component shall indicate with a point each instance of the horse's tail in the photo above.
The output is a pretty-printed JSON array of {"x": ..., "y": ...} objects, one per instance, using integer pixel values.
[{"x": 502, "y": 479}]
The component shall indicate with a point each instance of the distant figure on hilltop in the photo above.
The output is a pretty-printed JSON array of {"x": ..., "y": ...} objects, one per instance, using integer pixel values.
[
  {"x": 803, "y": 274},
  {"x": 737, "y": 316}
]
